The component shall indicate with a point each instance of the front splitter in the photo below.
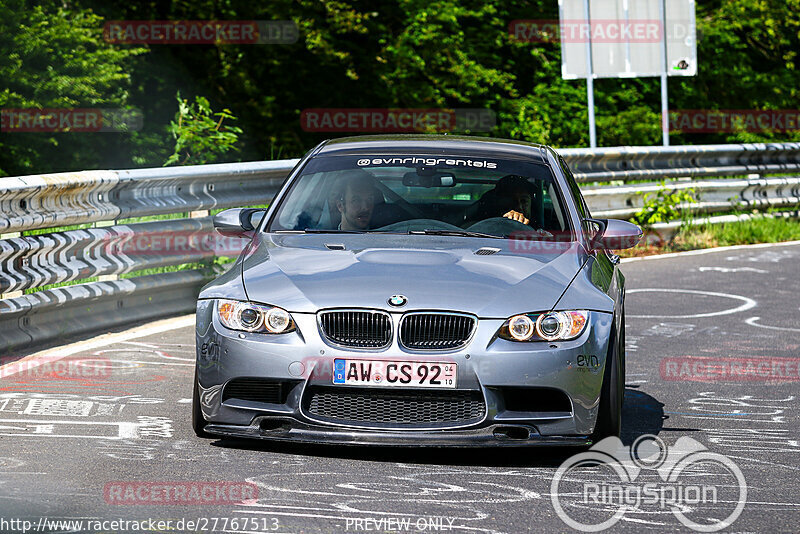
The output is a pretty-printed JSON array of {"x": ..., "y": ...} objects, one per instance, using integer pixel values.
[{"x": 290, "y": 430}]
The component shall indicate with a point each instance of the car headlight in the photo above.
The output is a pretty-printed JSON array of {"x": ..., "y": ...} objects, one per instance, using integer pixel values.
[
  {"x": 250, "y": 317},
  {"x": 551, "y": 326}
]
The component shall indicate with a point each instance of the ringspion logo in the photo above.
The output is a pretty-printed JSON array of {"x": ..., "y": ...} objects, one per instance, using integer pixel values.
[{"x": 593, "y": 490}]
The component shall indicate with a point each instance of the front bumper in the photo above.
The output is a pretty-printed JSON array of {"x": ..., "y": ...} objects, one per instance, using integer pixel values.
[{"x": 488, "y": 365}]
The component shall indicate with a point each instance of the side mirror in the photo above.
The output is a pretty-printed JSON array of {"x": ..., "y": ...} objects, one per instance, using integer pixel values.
[
  {"x": 237, "y": 222},
  {"x": 615, "y": 234}
]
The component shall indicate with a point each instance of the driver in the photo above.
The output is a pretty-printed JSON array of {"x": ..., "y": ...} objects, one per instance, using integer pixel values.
[
  {"x": 356, "y": 201},
  {"x": 514, "y": 196},
  {"x": 511, "y": 198}
]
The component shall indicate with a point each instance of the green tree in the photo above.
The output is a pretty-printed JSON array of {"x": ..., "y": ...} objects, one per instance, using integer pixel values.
[
  {"x": 55, "y": 57},
  {"x": 358, "y": 53}
]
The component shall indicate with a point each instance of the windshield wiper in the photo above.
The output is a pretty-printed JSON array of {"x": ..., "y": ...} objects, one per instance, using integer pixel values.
[
  {"x": 319, "y": 231},
  {"x": 458, "y": 233}
]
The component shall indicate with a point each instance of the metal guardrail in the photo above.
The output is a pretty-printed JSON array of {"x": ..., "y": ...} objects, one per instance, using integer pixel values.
[
  {"x": 108, "y": 197},
  {"x": 53, "y": 314},
  {"x": 47, "y": 200},
  {"x": 713, "y": 196},
  {"x": 646, "y": 163}
]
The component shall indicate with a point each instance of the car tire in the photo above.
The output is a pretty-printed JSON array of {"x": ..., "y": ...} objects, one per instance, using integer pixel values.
[
  {"x": 609, "y": 414},
  {"x": 198, "y": 421}
]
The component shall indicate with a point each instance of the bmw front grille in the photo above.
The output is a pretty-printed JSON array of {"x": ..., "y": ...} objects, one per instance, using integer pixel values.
[
  {"x": 366, "y": 329},
  {"x": 436, "y": 331},
  {"x": 372, "y": 329}
]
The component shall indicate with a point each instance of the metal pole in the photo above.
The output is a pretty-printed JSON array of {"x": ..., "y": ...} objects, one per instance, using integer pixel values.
[
  {"x": 627, "y": 41},
  {"x": 590, "y": 78},
  {"x": 664, "y": 96}
]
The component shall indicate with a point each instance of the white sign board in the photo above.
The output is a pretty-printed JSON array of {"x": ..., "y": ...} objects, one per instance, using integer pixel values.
[{"x": 627, "y": 38}]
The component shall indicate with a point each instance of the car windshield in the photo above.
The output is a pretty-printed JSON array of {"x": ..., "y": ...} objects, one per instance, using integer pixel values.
[{"x": 450, "y": 195}]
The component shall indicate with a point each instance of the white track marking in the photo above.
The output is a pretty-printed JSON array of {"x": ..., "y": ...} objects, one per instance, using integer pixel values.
[
  {"x": 158, "y": 353},
  {"x": 140, "y": 344},
  {"x": 752, "y": 322},
  {"x": 104, "y": 340},
  {"x": 748, "y": 303},
  {"x": 732, "y": 269}
]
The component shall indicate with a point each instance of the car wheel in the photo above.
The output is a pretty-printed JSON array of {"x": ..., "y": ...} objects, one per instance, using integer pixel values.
[
  {"x": 198, "y": 421},
  {"x": 609, "y": 415}
]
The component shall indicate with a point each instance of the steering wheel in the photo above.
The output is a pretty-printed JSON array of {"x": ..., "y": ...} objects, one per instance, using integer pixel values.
[
  {"x": 418, "y": 224},
  {"x": 504, "y": 226}
]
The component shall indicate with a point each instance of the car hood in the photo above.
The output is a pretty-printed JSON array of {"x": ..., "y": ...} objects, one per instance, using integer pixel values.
[{"x": 302, "y": 274}]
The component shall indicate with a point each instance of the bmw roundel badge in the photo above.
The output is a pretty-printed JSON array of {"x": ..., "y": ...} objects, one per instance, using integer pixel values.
[{"x": 397, "y": 300}]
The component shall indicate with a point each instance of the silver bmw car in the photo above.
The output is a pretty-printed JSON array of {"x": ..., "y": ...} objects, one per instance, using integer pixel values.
[{"x": 417, "y": 290}]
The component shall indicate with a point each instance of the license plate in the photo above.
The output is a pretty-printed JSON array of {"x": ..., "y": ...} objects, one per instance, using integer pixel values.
[{"x": 394, "y": 373}]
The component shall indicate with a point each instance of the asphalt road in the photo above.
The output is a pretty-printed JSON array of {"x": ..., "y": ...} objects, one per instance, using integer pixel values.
[{"x": 102, "y": 441}]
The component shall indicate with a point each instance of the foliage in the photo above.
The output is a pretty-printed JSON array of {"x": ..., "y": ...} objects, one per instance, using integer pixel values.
[
  {"x": 200, "y": 136},
  {"x": 664, "y": 205},
  {"x": 55, "y": 57},
  {"x": 355, "y": 54}
]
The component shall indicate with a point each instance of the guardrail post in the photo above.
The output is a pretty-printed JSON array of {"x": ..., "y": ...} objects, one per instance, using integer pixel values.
[
  {"x": 11, "y": 294},
  {"x": 106, "y": 277},
  {"x": 198, "y": 214}
]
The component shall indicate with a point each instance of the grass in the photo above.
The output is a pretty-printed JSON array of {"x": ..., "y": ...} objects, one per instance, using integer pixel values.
[
  {"x": 757, "y": 230},
  {"x": 43, "y": 231},
  {"x": 60, "y": 284},
  {"x": 746, "y": 232}
]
